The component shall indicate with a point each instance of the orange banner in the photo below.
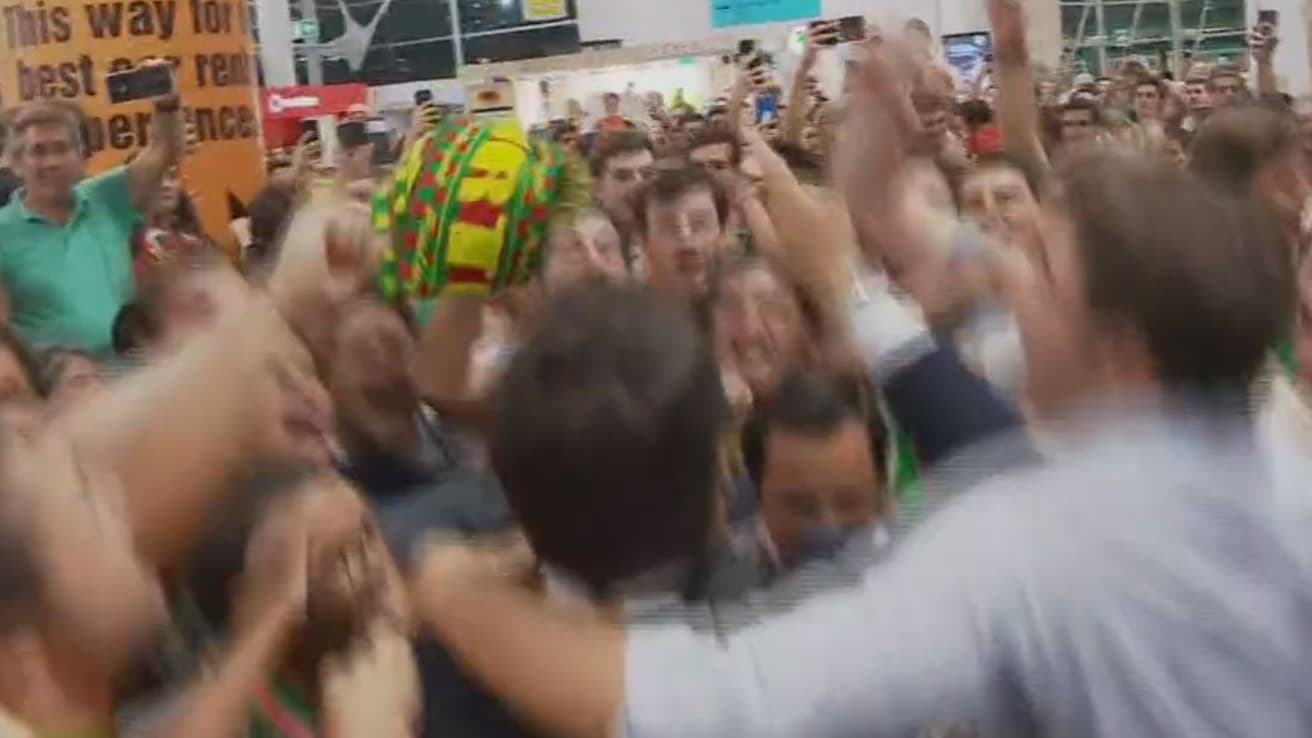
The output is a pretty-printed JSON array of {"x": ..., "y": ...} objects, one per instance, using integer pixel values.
[{"x": 62, "y": 50}]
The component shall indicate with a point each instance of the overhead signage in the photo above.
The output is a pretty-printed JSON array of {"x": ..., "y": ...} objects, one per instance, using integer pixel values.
[
  {"x": 729, "y": 13},
  {"x": 544, "y": 10},
  {"x": 311, "y": 102}
]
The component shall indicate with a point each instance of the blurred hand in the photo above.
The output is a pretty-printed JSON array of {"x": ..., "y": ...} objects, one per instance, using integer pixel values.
[
  {"x": 818, "y": 37},
  {"x": 306, "y": 154},
  {"x": 1007, "y": 19},
  {"x": 170, "y": 100},
  {"x": 1262, "y": 42},
  {"x": 275, "y": 583},
  {"x": 330, "y": 253},
  {"x": 190, "y": 139},
  {"x": 373, "y": 690},
  {"x": 439, "y": 563}
]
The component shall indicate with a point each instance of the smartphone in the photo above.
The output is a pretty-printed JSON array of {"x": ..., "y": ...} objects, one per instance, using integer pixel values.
[
  {"x": 1268, "y": 18},
  {"x": 767, "y": 108},
  {"x": 824, "y": 27},
  {"x": 851, "y": 28},
  {"x": 746, "y": 47},
  {"x": 141, "y": 83},
  {"x": 762, "y": 59},
  {"x": 423, "y": 97}
]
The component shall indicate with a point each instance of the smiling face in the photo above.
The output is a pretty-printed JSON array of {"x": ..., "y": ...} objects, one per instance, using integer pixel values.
[
  {"x": 999, "y": 199},
  {"x": 49, "y": 161},
  {"x": 760, "y": 328}
]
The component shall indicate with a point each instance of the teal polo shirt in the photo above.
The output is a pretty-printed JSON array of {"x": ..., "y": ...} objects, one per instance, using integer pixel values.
[{"x": 67, "y": 282}]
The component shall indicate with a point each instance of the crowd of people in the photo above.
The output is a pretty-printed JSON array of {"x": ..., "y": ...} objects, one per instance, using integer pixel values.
[{"x": 913, "y": 411}]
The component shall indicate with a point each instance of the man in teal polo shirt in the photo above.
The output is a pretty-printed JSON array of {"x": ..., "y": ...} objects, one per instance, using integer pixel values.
[{"x": 64, "y": 255}]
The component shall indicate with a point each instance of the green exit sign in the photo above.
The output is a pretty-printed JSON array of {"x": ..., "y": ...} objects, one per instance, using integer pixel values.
[{"x": 307, "y": 30}]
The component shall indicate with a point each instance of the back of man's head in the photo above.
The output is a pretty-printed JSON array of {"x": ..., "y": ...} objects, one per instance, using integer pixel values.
[
  {"x": 1203, "y": 279},
  {"x": 606, "y": 434},
  {"x": 1235, "y": 144}
]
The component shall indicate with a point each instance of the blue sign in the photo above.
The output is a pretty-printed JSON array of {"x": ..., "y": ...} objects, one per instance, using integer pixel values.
[{"x": 727, "y": 13}]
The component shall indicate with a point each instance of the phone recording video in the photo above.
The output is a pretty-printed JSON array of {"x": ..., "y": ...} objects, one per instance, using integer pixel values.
[
  {"x": 824, "y": 33},
  {"x": 1268, "y": 18},
  {"x": 142, "y": 83},
  {"x": 423, "y": 97},
  {"x": 851, "y": 28},
  {"x": 767, "y": 108}
]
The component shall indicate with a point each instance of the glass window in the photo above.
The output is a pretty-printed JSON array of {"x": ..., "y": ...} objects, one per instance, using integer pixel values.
[
  {"x": 477, "y": 16},
  {"x": 529, "y": 43}
]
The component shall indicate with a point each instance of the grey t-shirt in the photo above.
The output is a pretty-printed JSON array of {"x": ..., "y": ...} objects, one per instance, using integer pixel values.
[{"x": 1152, "y": 579}]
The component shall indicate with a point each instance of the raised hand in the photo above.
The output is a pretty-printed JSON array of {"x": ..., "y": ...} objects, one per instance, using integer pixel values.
[
  {"x": 1007, "y": 18},
  {"x": 1262, "y": 42}
]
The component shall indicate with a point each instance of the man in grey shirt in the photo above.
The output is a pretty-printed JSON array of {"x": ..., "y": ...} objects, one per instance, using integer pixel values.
[{"x": 1150, "y": 579}]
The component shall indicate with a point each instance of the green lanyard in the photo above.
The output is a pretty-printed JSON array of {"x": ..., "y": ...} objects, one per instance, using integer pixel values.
[{"x": 282, "y": 712}]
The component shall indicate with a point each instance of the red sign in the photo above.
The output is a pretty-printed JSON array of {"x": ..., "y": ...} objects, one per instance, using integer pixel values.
[{"x": 283, "y": 103}]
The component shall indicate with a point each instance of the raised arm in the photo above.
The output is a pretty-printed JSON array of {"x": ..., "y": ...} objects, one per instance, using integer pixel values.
[
  {"x": 163, "y": 150},
  {"x": 919, "y": 640},
  {"x": 795, "y": 115},
  {"x": 170, "y": 432},
  {"x": 1018, "y": 114}
]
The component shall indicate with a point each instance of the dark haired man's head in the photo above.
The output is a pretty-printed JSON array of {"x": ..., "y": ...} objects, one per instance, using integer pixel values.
[
  {"x": 621, "y": 162},
  {"x": 1081, "y": 120},
  {"x": 718, "y": 150},
  {"x": 1198, "y": 95},
  {"x": 355, "y": 151},
  {"x": 611, "y": 102},
  {"x": 816, "y": 454},
  {"x": 1227, "y": 86},
  {"x": 1000, "y": 194},
  {"x": 1148, "y": 98},
  {"x": 1153, "y": 281},
  {"x": 1253, "y": 150},
  {"x": 270, "y": 211},
  {"x": 682, "y": 214},
  {"x": 975, "y": 113},
  {"x": 605, "y": 434}
]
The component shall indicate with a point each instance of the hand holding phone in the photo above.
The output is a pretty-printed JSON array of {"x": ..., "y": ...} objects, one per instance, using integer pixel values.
[
  {"x": 152, "y": 80},
  {"x": 851, "y": 29},
  {"x": 822, "y": 33}
]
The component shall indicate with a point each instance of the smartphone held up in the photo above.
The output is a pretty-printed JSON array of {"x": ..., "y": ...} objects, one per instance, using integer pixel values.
[{"x": 141, "y": 83}]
